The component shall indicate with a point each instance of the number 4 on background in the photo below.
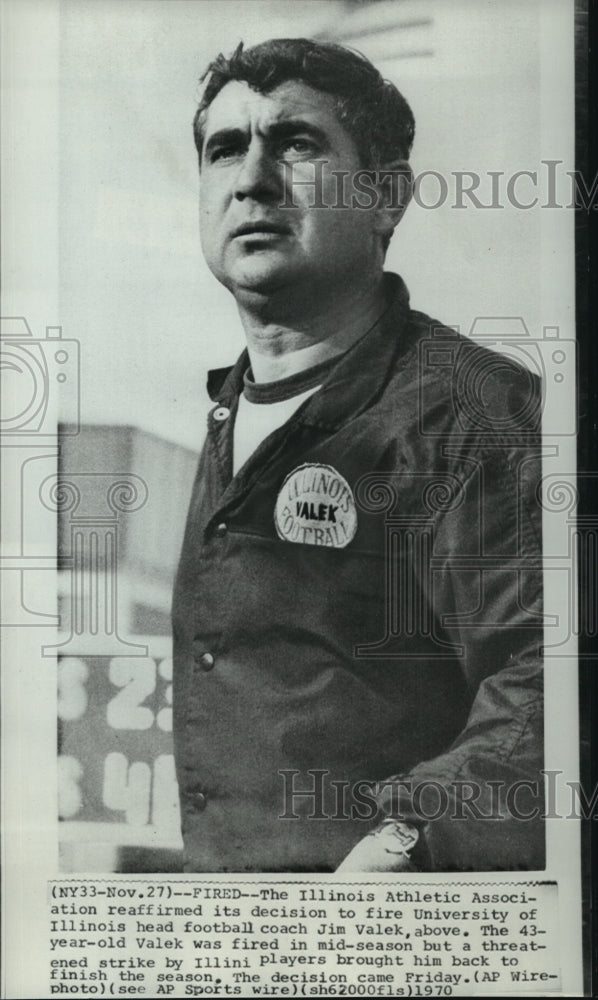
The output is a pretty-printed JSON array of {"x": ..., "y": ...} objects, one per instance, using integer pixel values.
[{"x": 128, "y": 788}]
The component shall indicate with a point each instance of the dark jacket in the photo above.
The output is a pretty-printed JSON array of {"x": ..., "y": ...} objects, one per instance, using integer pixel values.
[{"x": 402, "y": 639}]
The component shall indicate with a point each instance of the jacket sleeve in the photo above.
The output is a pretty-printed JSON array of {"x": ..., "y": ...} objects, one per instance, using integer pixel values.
[{"x": 479, "y": 804}]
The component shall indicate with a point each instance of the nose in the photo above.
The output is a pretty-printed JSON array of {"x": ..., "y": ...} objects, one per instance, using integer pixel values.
[{"x": 259, "y": 175}]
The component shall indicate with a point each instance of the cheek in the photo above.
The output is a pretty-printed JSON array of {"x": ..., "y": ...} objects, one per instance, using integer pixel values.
[
  {"x": 206, "y": 206},
  {"x": 347, "y": 231},
  {"x": 208, "y": 227},
  {"x": 211, "y": 203},
  {"x": 208, "y": 240}
]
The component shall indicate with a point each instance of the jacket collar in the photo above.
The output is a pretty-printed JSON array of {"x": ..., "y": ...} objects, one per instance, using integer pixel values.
[{"x": 359, "y": 376}]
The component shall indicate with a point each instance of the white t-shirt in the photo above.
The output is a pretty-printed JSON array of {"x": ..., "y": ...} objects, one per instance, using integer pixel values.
[
  {"x": 264, "y": 407},
  {"x": 254, "y": 421}
]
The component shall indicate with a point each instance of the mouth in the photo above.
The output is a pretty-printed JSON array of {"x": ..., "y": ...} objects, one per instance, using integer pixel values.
[{"x": 261, "y": 229}]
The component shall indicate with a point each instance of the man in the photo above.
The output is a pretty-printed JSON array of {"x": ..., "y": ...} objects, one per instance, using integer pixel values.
[{"x": 357, "y": 612}]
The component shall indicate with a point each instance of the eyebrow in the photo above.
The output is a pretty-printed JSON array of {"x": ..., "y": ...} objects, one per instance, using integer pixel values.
[{"x": 276, "y": 131}]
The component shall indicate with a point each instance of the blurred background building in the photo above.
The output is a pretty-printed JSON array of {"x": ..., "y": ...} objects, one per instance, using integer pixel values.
[{"x": 118, "y": 547}]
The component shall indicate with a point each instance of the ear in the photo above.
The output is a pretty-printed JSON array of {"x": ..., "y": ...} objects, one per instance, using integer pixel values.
[{"x": 394, "y": 185}]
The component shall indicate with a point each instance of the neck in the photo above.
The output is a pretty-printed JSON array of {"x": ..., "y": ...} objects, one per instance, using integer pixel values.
[{"x": 281, "y": 344}]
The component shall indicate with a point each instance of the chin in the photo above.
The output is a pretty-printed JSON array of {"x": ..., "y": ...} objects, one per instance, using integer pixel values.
[{"x": 259, "y": 277}]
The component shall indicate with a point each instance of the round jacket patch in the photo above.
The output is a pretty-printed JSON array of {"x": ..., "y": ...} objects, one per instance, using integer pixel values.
[{"x": 316, "y": 507}]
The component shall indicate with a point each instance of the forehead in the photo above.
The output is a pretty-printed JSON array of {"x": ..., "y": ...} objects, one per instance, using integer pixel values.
[{"x": 238, "y": 106}]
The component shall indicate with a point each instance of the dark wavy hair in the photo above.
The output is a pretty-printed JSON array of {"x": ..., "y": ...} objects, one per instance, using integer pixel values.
[{"x": 370, "y": 108}]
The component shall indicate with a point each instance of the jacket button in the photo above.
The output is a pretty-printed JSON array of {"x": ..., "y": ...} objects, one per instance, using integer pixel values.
[
  {"x": 199, "y": 801},
  {"x": 221, "y": 530},
  {"x": 205, "y": 661},
  {"x": 221, "y": 413}
]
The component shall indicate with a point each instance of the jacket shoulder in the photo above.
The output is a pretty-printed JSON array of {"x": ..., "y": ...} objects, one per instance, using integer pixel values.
[{"x": 487, "y": 388}]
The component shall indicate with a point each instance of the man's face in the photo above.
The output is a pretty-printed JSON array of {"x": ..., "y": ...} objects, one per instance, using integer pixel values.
[{"x": 251, "y": 242}]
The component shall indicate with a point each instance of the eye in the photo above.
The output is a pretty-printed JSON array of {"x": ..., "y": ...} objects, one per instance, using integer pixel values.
[
  {"x": 298, "y": 146},
  {"x": 227, "y": 150},
  {"x": 223, "y": 153}
]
